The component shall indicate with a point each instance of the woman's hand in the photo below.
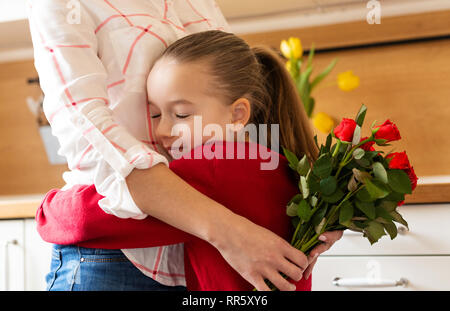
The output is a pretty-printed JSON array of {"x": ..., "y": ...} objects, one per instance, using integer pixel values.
[
  {"x": 257, "y": 253},
  {"x": 328, "y": 239}
]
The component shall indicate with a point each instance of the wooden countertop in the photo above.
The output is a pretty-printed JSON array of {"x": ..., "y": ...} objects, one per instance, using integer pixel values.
[{"x": 25, "y": 206}]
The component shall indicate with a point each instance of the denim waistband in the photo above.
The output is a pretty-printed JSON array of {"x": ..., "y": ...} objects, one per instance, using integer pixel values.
[{"x": 86, "y": 251}]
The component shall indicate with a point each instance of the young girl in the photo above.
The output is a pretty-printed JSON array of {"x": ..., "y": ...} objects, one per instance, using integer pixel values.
[{"x": 217, "y": 76}]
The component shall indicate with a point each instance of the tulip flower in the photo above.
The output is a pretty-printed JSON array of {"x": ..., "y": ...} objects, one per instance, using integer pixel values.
[
  {"x": 292, "y": 48},
  {"x": 323, "y": 122},
  {"x": 347, "y": 81}
]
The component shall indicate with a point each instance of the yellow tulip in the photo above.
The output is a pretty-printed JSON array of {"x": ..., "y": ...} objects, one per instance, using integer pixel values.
[
  {"x": 288, "y": 65},
  {"x": 323, "y": 122},
  {"x": 347, "y": 81},
  {"x": 292, "y": 48}
]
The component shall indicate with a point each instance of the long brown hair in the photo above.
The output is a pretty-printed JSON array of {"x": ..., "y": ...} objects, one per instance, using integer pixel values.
[{"x": 256, "y": 73}]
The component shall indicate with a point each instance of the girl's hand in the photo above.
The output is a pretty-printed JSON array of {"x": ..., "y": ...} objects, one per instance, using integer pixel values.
[
  {"x": 328, "y": 238},
  {"x": 257, "y": 253}
]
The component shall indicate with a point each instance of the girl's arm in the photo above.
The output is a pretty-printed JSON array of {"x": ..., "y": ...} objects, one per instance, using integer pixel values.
[{"x": 73, "y": 216}]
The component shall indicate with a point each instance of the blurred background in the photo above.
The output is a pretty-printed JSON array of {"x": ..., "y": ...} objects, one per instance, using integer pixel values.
[{"x": 398, "y": 49}]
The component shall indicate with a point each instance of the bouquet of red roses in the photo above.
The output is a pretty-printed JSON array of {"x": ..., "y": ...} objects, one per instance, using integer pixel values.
[{"x": 350, "y": 185}]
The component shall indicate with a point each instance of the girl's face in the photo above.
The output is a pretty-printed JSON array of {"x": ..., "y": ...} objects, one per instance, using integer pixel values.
[{"x": 178, "y": 92}]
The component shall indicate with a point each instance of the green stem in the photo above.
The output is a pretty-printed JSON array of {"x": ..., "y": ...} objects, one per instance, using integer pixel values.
[
  {"x": 347, "y": 158},
  {"x": 306, "y": 247},
  {"x": 336, "y": 150}
]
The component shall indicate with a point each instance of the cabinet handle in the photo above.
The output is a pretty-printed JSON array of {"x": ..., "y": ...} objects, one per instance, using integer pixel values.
[
  {"x": 366, "y": 282},
  {"x": 6, "y": 260}
]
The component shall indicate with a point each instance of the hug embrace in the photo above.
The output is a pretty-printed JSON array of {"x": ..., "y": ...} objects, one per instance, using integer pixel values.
[{"x": 173, "y": 213}]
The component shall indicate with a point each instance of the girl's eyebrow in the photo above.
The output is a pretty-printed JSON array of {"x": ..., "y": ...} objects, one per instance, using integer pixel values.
[{"x": 180, "y": 101}]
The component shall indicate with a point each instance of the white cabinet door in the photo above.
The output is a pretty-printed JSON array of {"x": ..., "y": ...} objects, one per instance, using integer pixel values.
[
  {"x": 429, "y": 227},
  {"x": 12, "y": 255},
  {"x": 37, "y": 258},
  {"x": 422, "y": 273}
]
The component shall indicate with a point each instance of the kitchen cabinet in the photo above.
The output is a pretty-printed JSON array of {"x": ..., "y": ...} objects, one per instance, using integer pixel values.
[
  {"x": 24, "y": 257},
  {"x": 12, "y": 255},
  {"x": 417, "y": 259}
]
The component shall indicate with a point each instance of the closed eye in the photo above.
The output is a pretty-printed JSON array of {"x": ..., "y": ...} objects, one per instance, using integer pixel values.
[
  {"x": 155, "y": 116},
  {"x": 182, "y": 116}
]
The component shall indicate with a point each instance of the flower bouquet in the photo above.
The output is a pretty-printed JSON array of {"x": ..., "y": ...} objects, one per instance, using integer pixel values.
[{"x": 350, "y": 185}]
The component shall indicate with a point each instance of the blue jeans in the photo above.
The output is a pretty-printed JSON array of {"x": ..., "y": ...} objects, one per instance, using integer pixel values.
[{"x": 76, "y": 268}]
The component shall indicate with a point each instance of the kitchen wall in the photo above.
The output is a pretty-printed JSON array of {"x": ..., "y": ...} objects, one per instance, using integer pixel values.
[{"x": 404, "y": 81}]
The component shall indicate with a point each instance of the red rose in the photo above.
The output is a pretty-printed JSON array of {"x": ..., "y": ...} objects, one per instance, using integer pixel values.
[
  {"x": 400, "y": 161},
  {"x": 367, "y": 146},
  {"x": 388, "y": 130},
  {"x": 344, "y": 131},
  {"x": 412, "y": 176}
]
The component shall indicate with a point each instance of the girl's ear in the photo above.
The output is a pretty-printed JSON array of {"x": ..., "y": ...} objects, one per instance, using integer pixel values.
[{"x": 240, "y": 112}]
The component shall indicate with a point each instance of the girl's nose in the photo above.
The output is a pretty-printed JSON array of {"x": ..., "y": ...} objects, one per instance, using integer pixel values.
[{"x": 163, "y": 128}]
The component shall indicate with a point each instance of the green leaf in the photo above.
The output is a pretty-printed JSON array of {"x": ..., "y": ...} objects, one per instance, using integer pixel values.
[
  {"x": 374, "y": 231},
  {"x": 323, "y": 166},
  {"x": 363, "y": 162},
  {"x": 381, "y": 142},
  {"x": 399, "y": 181},
  {"x": 367, "y": 208},
  {"x": 363, "y": 195},
  {"x": 391, "y": 229},
  {"x": 381, "y": 212},
  {"x": 345, "y": 213},
  {"x": 304, "y": 79},
  {"x": 319, "y": 215},
  {"x": 304, "y": 211},
  {"x": 314, "y": 183},
  {"x": 376, "y": 189},
  {"x": 296, "y": 199},
  {"x": 380, "y": 172},
  {"x": 324, "y": 73},
  {"x": 313, "y": 201},
  {"x": 361, "y": 115},
  {"x": 295, "y": 221},
  {"x": 303, "y": 184},
  {"x": 303, "y": 166},
  {"x": 395, "y": 197},
  {"x": 291, "y": 157},
  {"x": 319, "y": 227},
  {"x": 291, "y": 209},
  {"x": 328, "y": 142},
  {"x": 398, "y": 218},
  {"x": 315, "y": 141},
  {"x": 333, "y": 218},
  {"x": 334, "y": 197},
  {"x": 328, "y": 185},
  {"x": 372, "y": 154},
  {"x": 388, "y": 206},
  {"x": 311, "y": 55},
  {"x": 358, "y": 153},
  {"x": 356, "y": 135}
]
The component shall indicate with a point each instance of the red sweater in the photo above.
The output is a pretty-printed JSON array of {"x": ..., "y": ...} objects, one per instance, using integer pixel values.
[{"x": 74, "y": 217}]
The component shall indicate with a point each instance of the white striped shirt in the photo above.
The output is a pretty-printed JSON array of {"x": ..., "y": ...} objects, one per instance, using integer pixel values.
[{"x": 93, "y": 58}]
